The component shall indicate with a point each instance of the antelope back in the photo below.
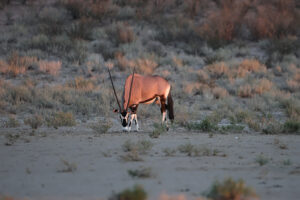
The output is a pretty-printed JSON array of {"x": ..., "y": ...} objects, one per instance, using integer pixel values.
[{"x": 144, "y": 88}]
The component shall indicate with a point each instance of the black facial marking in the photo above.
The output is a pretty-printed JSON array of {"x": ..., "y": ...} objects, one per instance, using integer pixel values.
[
  {"x": 124, "y": 113},
  {"x": 124, "y": 123}
]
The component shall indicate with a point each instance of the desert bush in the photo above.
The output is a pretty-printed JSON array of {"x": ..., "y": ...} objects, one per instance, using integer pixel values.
[
  {"x": 50, "y": 67},
  {"x": 272, "y": 128},
  {"x": 68, "y": 167},
  {"x": 191, "y": 88},
  {"x": 81, "y": 84},
  {"x": 217, "y": 70},
  {"x": 158, "y": 130},
  {"x": 205, "y": 125},
  {"x": 34, "y": 122},
  {"x": 140, "y": 173},
  {"x": 291, "y": 126},
  {"x": 219, "y": 92},
  {"x": 222, "y": 25},
  {"x": 259, "y": 87},
  {"x": 40, "y": 41},
  {"x": 81, "y": 29},
  {"x": 292, "y": 108},
  {"x": 132, "y": 156},
  {"x": 12, "y": 122},
  {"x": 261, "y": 160},
  {"x": 16, "y": 64},
  {"x": 101, "y": 126},
  {"x": 124, "y": 33},
  {"x": 233, "y": 19},
  {"x": 192, "y": 150},
  {"x": 230, "y": 189},
  {"x": 263, "y": 85},
  {"x": 17, "y": 95},
  {"x": 136, "y": 193},
  {"x": 79, "y": 52},
  {"x": 248, "y": 66},
  {"x": 52, "y": 20},
  {"x": 274, "y": 19},
  {"x": 169, "y": 152},
  {"x": 61, "y": 119},
  {"x": 142, "y": 65},
  {"x": 146, "y": 65},
  {"x": 142, "y": 146},
  {"x": 97, "y": 9},
  {"x": 232, "y": 128},
  {"x": 283, "y": 46}
]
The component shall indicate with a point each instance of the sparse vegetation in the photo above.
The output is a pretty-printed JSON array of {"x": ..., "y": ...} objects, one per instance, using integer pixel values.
[
  {"x": 34, "y": 122},
  {"x": 67, "y": 167},
  {"x": 158, "y": 130},
  {"x": 206, "y": 125},
  {"x": 230, "y": 189},
  {"x": 61, "y": 119},
  {"x": 140, "y": 173},
  {"x": 192, "y": 150},
  {"x": 12, "y": 122},
  {"x": 291, "y": 126},
  {"x": 101, "y": 126},
  {"x": 136, "y": 193},
  {"x": 142, "y": 146},
  {"x": 261, "y": 160}
]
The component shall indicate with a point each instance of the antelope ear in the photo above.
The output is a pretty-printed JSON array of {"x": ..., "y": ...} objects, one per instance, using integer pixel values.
[{"x": 115, "y": 110}]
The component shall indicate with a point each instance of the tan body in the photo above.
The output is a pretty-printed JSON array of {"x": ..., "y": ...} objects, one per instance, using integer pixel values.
[{"x": 146, "y": 89}]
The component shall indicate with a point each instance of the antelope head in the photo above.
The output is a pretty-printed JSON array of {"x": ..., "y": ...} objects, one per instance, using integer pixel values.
[{"x": 123, "y": 113}]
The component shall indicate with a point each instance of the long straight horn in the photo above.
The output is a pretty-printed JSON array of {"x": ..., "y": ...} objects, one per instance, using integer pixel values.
[
  {"x": 112, "y": 83},
  {"x": 130, "y": 89}
]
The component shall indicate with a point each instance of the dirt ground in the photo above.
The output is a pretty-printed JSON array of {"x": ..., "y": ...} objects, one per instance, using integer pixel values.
[{"x": 75, "y": 163}]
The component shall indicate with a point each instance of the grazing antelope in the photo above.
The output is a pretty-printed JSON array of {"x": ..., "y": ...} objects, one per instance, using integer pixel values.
[{"x": 143, "y": 89}]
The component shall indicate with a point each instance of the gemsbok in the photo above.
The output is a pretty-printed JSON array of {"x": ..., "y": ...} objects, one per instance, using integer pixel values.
[{"x": 141, "y": 89}]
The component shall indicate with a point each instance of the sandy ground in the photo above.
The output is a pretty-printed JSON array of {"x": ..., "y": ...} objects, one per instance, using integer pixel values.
[{"x": 31, "y": 166}]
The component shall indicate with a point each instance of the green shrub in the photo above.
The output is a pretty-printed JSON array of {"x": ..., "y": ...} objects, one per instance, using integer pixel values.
[
  {"x": 158, "y": 130},
  {"x": 261, "y": 160},
  {"x": 205, "y": 125},
  {"x": 230, "y": 189},
  {"x": 136, "y": 193},
  {"x": 291, "y": 126},
  {"x": 140, "y": 173}
]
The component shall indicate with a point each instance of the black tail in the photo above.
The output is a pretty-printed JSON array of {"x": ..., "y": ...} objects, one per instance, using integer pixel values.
[{"x": 170, "y": 107}]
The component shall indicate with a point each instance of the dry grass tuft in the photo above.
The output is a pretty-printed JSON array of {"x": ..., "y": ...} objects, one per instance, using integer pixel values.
[
  {"x": 259, "y": 87},
  {"x": 219, "y": 92},
  {"x": 16, "y": 64},
  {"x": 142, "y": 65},
  {"x": 125, "y": 33},
  {"x": 230, "y": 189},
  {"x": 262, "y": 86},
  {"x": 245, "y": 91},
  {"x": 82, "y": 84},
  {"x": 218, "y": 69},
  {"x": 250, "y": 65},
  {"x": 50, "y": 67}
]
